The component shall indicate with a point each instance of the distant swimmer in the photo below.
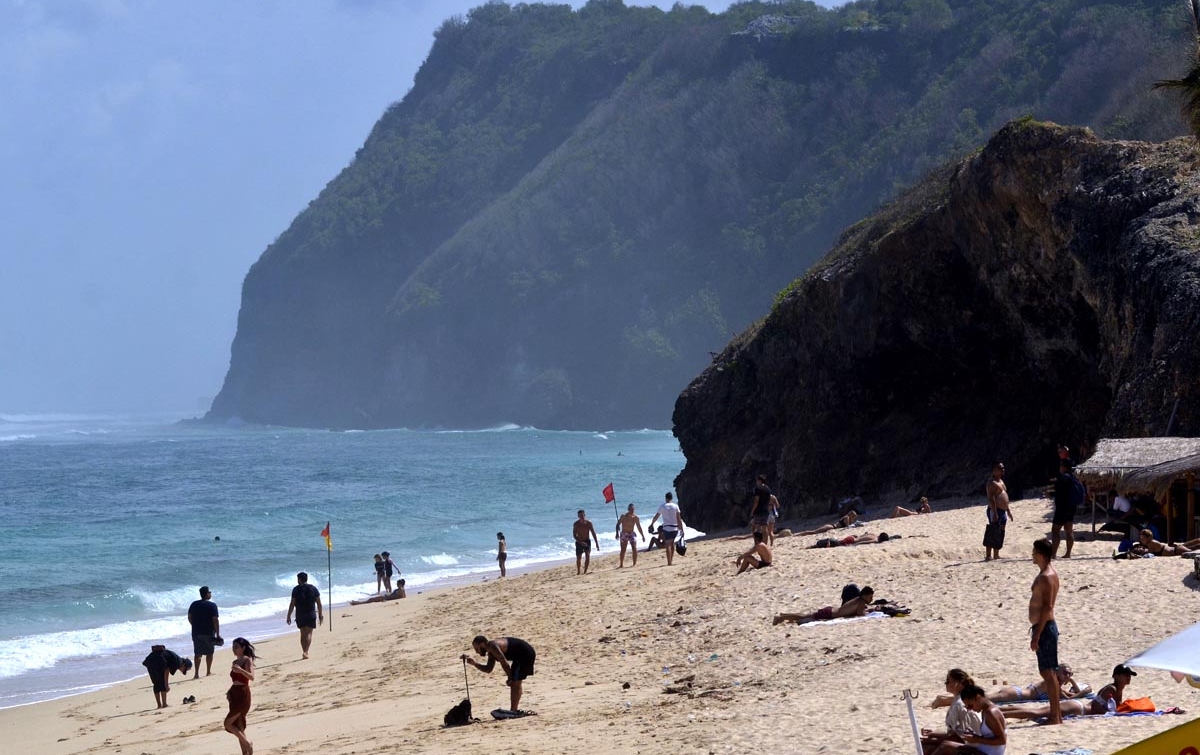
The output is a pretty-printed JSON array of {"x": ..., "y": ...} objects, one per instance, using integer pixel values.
[
  {"x": 581, "y": 530},
  {"x": 626, "y": 526}
]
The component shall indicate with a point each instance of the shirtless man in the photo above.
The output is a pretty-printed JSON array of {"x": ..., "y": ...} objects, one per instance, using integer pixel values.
[
  {"x": 583, "y": 546},
  {"x": 625, "y": 533},
  {"x": 1044, "y": 632},
  {"x": 758, "y": 557},
  {"x": 856, "y": 606},
  {"x": 998, "y": 511}
]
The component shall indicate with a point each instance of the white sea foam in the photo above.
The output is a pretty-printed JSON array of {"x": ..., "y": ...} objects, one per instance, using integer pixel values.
[
  {"x": 600, "y": 436},
  {"x": 164, "y": 601},
  {"x": 11, "y": 438},
  {"x": 440, "y": 559}
]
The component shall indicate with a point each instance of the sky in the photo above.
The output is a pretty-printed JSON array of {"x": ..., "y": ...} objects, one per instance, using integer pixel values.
[{"x": 149, "y": 153}]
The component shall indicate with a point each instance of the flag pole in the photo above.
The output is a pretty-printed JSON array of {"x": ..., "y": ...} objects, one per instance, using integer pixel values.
[{"x": 329, "y": 570}]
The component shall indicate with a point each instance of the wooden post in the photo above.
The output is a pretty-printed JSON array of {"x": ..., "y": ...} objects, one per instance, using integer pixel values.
[
  {"x": 1170, "y": 514},
  {"x": 1191, "y": 504}
]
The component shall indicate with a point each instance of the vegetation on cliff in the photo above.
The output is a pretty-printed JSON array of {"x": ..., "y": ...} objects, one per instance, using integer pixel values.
[{"x": 570, "y": 209}]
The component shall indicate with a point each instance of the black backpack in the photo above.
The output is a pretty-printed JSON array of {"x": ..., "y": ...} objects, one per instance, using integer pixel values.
[{"x": 459, "y": 715}]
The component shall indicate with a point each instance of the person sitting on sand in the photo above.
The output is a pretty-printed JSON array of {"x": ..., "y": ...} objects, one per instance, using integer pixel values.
[
  {"x": 1147, "y": 544},
  {"x": 1037, "y": 691},
  {"x": 921, "y": 509},
  {"x": 850, "y": 518},
  {"x": 856, "y": 606},
  {"x": 992, "y": 738},
  {"x": 866, "y": 538},
  {"x": 959, "y": 720},
  {"x": 758, "y": 557},
  {"x": 394, "y": 595},
  {"x": 655, "y": 540}
]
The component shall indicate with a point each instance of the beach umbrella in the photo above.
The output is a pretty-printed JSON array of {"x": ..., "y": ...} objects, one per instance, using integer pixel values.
[{"x": 1176, "y": 654}]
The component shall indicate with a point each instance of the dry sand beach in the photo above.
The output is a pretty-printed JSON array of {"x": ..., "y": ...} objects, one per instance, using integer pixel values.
[{"x": 707, "y": 672}]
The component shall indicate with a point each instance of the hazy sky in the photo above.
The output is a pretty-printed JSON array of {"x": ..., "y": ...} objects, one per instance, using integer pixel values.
[{"x": 150, "y": 151}]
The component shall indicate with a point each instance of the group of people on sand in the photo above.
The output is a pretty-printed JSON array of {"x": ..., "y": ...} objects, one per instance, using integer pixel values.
[{"x": 628, "y": 530}]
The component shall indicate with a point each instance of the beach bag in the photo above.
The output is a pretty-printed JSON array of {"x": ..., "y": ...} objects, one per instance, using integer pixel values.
[
  {"x": 681, "y": 546},
  {"x": 459, "y": 715},
  {"x": 1136, "y": 705}
]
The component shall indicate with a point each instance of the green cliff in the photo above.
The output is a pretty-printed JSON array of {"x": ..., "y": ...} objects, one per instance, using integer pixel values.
[{"x": 570, "y": 210}]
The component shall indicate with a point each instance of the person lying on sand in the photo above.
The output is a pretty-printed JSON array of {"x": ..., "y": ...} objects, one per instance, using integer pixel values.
[
  {"x": 1147, "y": 544},
  {"x": 758, "y": 557},
  {"x": 393, "y": 595},
  {"x": 864, "y": 539},
  {"x": 856, "y": 606},
  {"x": 850, "y": 518},
  {"x": 921, "y": 509},
  {"x": 1037, "y": 691},
  {"x": 1097, "y": 706}
]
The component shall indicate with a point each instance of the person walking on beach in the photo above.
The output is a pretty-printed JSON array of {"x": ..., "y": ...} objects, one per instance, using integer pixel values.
[
  {"x": 515, "y": 656},
  {"x": 583, "y": 546},
  {"x": 672, "y": 525},
  {"x": 760, "y": 510},
  {"x": 206, "y": 629},
  {"x": 998, "y": 513},
  {"x": 306, "y": 602},
  {"x": 1068, "y": 495},
  {"x": 241, "y": 673},
  {"x": 501, "y": 552},
  {"x": 1044, "y": 631},
  {"x": 389, "y": 568},
  {"x": 626, "y": 525}
]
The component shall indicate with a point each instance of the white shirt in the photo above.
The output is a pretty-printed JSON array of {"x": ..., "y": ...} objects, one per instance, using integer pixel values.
[{"x": 669, "y": 513}]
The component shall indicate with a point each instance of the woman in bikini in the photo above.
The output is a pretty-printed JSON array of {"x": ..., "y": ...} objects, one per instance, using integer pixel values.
[
  {"x": 1147, "y": 544},
  {"x": 1009, "y": 693},
  {"x": 850, "y": 518},
  {"x": 241, "y": 673}
]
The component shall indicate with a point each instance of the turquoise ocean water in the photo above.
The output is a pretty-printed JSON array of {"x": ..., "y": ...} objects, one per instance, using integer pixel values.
[{"x": 111, "y": 524}]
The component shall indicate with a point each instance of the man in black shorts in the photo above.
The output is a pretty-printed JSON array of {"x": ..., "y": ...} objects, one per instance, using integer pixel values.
[
  {"x": 516, "y": 657},
  {"x": 306, "y": 602},
  {"x": 584, "y": 533},
  {"x": 206, "y": 627}
]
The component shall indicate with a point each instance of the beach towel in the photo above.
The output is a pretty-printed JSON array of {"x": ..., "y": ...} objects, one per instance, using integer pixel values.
[{"x": 871, "y": 615}]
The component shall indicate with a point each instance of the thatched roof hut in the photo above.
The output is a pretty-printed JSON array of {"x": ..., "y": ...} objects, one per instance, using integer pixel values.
[{"x": 1141, "y": 465}]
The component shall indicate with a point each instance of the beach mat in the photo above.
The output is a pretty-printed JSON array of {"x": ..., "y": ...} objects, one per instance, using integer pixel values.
[{"x": 501, "y": 714}]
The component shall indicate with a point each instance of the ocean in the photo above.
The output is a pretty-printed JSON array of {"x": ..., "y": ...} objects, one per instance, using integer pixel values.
[{"x": 112, "y": 523}]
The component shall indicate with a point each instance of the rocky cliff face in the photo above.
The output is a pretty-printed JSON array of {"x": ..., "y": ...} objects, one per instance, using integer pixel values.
[{"x": 1046, "y": 288}]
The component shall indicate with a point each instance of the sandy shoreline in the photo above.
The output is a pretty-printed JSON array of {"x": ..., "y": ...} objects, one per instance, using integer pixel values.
[{"x": 384, "y": 678}]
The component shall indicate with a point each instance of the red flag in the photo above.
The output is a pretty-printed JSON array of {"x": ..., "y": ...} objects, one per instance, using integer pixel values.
[
  {"x": 328, "y": 539},
  {"x": 609, "y": 495}
]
